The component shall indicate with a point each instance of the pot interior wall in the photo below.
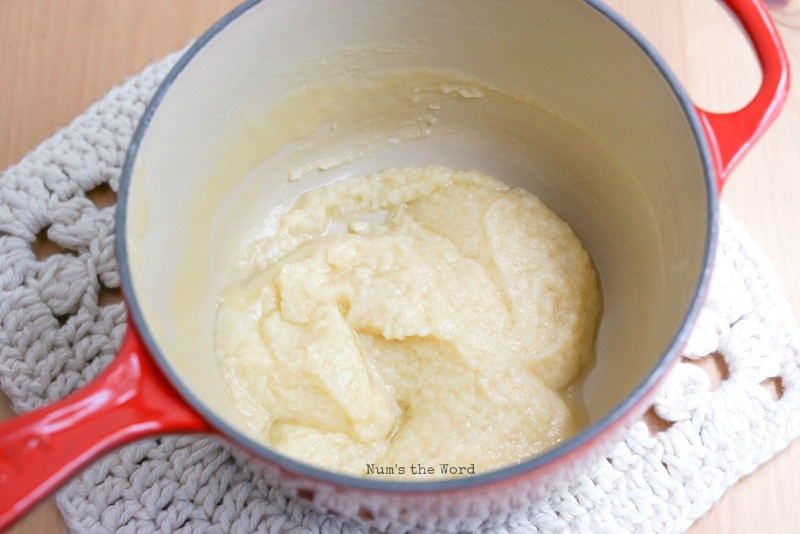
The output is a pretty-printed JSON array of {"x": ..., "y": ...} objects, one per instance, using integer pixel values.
[{"x": 595, "y": 130}]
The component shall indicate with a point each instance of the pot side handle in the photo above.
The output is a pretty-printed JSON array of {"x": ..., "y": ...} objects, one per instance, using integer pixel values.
[
  {"x": 730, "y": 135},
  {"x": 42, "y": 449}
]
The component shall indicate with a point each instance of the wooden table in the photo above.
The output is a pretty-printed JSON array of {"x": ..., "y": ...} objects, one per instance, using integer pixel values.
[{"x": 58, "y": 56}]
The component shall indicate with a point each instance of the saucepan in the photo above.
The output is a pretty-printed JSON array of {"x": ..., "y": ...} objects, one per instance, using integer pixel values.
[{"x": 606, "y": 137}]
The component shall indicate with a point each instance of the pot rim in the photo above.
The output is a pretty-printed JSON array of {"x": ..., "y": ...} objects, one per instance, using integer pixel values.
[{"x": 632, "y": 406}]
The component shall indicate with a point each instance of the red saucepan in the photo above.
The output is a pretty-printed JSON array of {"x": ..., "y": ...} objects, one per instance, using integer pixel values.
[{"x": 611, "y": 142}]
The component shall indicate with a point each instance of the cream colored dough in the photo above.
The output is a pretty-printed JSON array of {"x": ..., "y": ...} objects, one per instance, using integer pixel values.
[{"x": 414, "y": 317}]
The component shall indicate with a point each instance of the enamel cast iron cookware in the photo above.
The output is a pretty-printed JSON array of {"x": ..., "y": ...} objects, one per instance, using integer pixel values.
[{"x": 616, "y": 149}]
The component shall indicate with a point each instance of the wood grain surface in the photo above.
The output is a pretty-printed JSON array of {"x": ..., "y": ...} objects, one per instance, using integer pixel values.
[{"x": 59, "y": 56}]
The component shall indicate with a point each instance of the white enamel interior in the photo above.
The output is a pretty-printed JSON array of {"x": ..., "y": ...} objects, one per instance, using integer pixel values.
[{"x": 613, "y": 154}]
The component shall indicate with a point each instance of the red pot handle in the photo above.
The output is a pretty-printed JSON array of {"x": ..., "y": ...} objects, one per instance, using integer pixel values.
[
  {"x": 730, "y": 135},
  {"x": 42, "y": 449}
]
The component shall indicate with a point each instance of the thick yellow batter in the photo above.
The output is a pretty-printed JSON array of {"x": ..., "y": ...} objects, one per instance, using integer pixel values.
[{"x": 409, "y": 319}]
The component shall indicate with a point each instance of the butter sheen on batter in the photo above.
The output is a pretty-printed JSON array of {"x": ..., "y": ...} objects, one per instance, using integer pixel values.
[{"x": 413, "y": 316}]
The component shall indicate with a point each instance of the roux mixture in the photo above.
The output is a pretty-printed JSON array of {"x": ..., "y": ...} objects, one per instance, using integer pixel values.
[{"x": 417, "y": 316}]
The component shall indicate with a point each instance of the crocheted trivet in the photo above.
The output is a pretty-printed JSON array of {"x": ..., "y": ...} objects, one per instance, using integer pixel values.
[{"x": 56, "y": 334}]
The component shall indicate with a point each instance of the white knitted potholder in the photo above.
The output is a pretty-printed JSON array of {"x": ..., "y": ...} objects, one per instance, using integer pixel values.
[{"x": 55, "y": 335}]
